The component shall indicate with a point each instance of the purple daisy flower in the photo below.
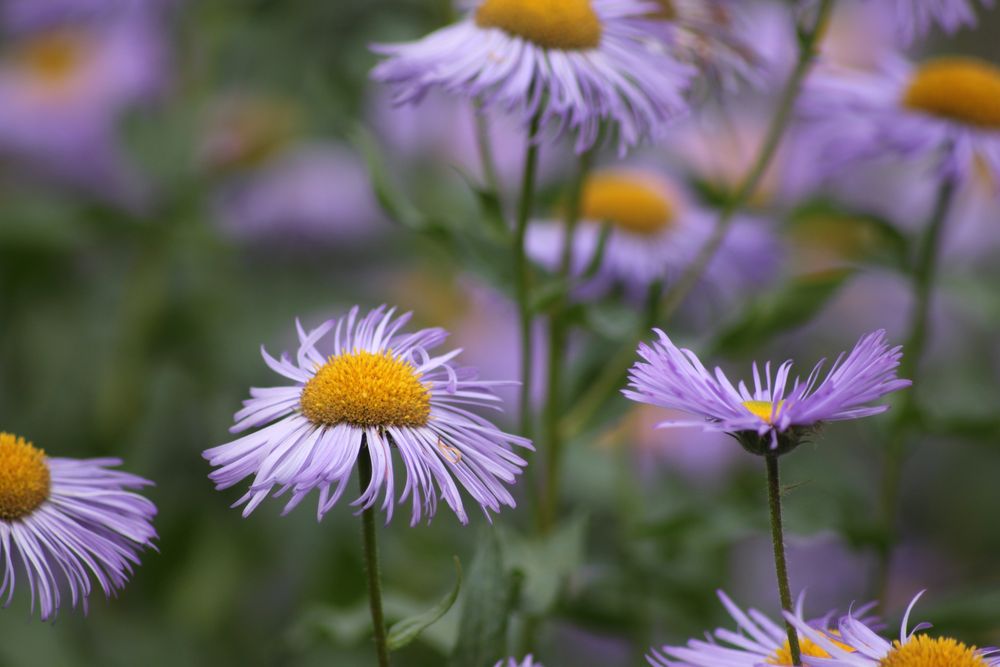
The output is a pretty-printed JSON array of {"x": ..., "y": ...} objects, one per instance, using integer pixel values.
[
  {"x": 65, "y": 520},
  {"x": 944, "y": 110},
  {"x": 656, "y": 232},
  {"x": 915, "y": 18},
  {"x": 580, "y": 65},
  {"x": 776, "y": 412},
  {"x": 856, "y": 644},
  {"x": 378, "y": 390},
  {"x": 513, "y": 662},
  {"x": 757, "y": 641}
]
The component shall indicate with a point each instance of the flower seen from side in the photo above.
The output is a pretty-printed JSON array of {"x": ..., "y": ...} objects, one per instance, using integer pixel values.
[
  {"x": 776, "y": 412},
  {"x": 66, "y": 523},
  {"x": 580, "y": 66},
  {"x": 377, "y": 390}
]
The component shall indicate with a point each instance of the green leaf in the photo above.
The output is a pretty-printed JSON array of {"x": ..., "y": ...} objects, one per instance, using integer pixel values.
[
  {"x": 405, "y": 631},
  {"x": 792, "y": 306},
  {"x": 490, "y": 206},
  {"x": 546, "y": 563},
  {"x": 393, "y": 202},
  {"x": 487, "y": 601},
  {"x": 848, "y": 235}
]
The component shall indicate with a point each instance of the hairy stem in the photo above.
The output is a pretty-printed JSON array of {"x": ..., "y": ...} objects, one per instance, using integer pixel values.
[
  {"x": 371, "y": 565},
  {"x": 778, "y": 541},
  {"x": 924, "y": 277}
]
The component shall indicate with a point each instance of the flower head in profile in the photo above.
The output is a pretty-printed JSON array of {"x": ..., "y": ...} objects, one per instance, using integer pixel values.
[
  {"x": 757, "y": 641},
  {"x": 580, "y": 66},
  {"x": 654, "y": 233},
  {"x": 856, "y": 644},
  {"x": 374, "y": 391},
  {"x": 944, "y": 111},
  {"x": 513, "y": 662},
  {"x": 915, "y": 18},
  {"x": 772, "y": 415},
  {"x": 65, "y": 523}
]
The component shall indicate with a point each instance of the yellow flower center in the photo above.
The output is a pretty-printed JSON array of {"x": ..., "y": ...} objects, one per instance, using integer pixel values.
[
  {"x": 761, "y": 409},
  {"x": 957, "y": 88},
  {"x": 629, "y": 201},
  {"x": 366, "y": 389},
  {"x": 926, "y": 651},
  {"x": 24, "y": 478},
  {"x": 567, "y": 25},
  {"x": 53, "y": 58},
  {"x": 783, "y": 656}
]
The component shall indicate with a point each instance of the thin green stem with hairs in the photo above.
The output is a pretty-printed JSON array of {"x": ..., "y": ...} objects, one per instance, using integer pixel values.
[{"x": 778, "y": 543}]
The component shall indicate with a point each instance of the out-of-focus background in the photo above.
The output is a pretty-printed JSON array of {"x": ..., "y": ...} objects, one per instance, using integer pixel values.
[{"x": 180, "y": 180}]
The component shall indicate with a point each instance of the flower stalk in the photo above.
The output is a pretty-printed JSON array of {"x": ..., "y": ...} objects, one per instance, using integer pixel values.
[
  {"x": 370, "y": 545},
  {"x": 778, "y": 542}
]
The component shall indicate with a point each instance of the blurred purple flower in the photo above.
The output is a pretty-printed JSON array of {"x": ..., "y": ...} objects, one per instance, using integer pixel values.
[
  {"x": 314, "y": 192},
  {"x": 915, "y": 18},
  {"x": 675, "y": 378},
  {"x": 855, "y": 644},
  {"x": 514, "y": 662},
  {"x": 63, "y": 521},
  {"x": 581, "y": 67},
  {"x": 656, "y": 232},
  {"x": 944, "y": 110},
  {"x": 62, "y": 94},
  {"x": 379, "y": 391}
]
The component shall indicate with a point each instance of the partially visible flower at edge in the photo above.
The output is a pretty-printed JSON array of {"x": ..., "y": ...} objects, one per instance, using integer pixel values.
[
  {"x": 71, "y": 517},
  {"x": 513, "y": 662},
  {"x": 857, "y": 645},
  {"x": 580, "y": 66}
]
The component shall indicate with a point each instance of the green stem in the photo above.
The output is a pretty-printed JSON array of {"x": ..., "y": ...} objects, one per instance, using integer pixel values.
[
  {"x": 778, "y": 541},
  {"x": 924, "y": 278},
  {"x": 484, "y": 145},
  {"x": 371, "y": 564},
  {"x": 522, "y": 273},
  {"x": 610, "y": 379},
  {"x": 558, "y": 333}
]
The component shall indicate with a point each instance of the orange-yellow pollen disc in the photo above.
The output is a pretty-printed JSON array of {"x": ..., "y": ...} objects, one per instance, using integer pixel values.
[
  {"x": 567, "y": 25},
  {"x": 632, "y": 202},
  {"x": 962, "y": 89},
  {"x": 53, "y": 57},
  {"x": 761, "y": 409},
  {"x": 373, "y": 389},
  {"x": 24, "y": 478},
  {"x": 926, "y": 651}
]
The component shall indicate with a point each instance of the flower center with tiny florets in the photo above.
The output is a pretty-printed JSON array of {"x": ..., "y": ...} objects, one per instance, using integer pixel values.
[
  {"x": 628, "y": 201},
  {"x": 807, "y": 647},
  {"x": 762, "y": 409},
  {"x": 925, "y": 651},
  {"x": 24, "y": 478},
  {"x": 53, "y": 57},
  {"x": 366, "y": 389},
  {"x": 567, "y": 25},
  {"x": 957, "y": 88}
]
